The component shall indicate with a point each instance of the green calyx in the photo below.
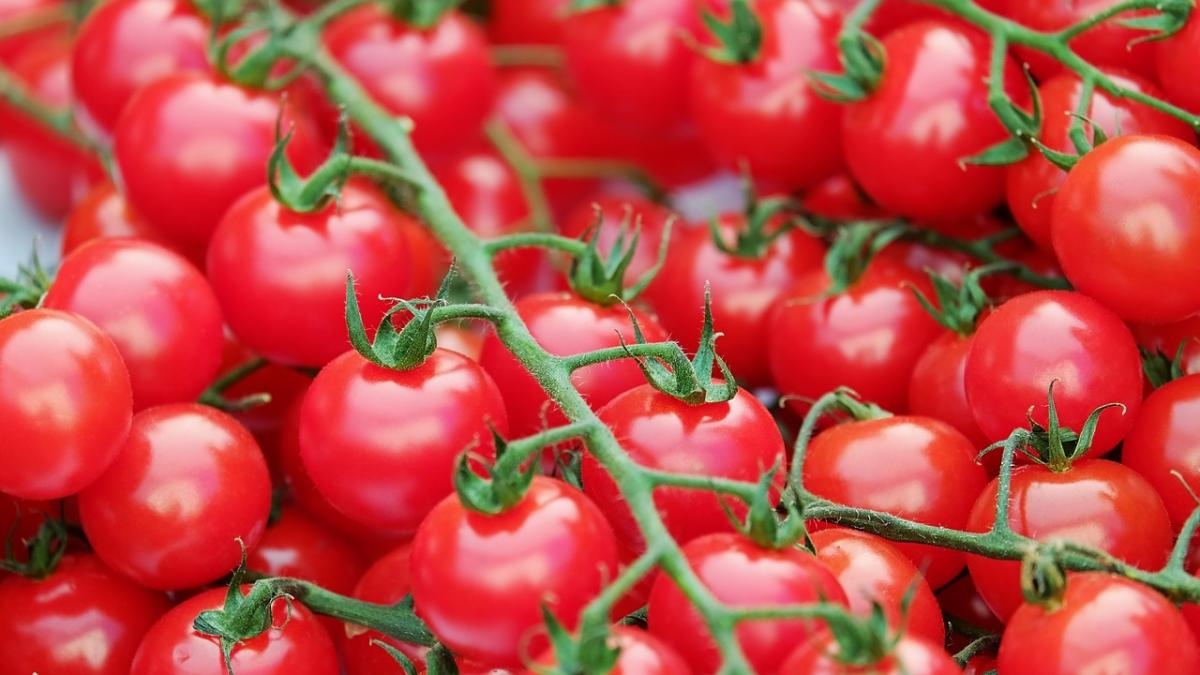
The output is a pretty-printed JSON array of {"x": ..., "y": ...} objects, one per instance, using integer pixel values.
[
  {"x": 497, "y": 493},
  {"x": 26, "y": 289},
  {"x": 848, "y": 402},
  {"x": 44, "y": 550},
  {"x": 739, "y": 39},
  {"x": 1054, "y": 446},
  {"x": 1169, "y": 18},
  {"x": 588, "y": 654},
  {"x": 588, "y": 5},
  {"x": 423, "y": 14},
  {"x": 241, "y": 617},
  {"x": 314, "y": 193},
  {"x": 1023, "y": 127},
  {"x": 854, "y": 247},
  {"x": 958, "y": 307},
  {"x": 438, "y": 660},
  {"x": 276, "y": 35},
  {"x": 762, "y": 524},
  {"x": 755, "y": 239},
  {"x": 1043, "y": 580},
  {"x": 399, "y": 350},
  {"x": 1161, "y": 369},
  {"x": 862, "y": 57},
  {"x": 600, "y": 278}
]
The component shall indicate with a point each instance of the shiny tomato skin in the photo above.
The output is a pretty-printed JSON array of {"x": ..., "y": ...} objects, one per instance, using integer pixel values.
[
  {"x": 1102, "y": 619},
  {"x": 158, "y": 309},
  {"x": 296, "y": 546},
  {"x": 959, "y": 599},
  {"x": 1108, "y": 45},
  {"x": 740, "y": 573},
  {"x": 1126, "y": 227},
  {"x": 839, "y": 198},
  {"x": 103, "y": 214},
  {"x": 281, "y": 275},
  {"x": 911, "y": 655},
  {"x": 1166, "y": 439},
  {"x": 81, "y": 604},
  {"x": 928, "y": 113},
  {"x": 1053, "y": 336},
  {"x": 1177, "y": 61},
  {"x": 1096, "y": 503},
  {"x": 938, "y": 386},
  {"x": 737, "y": 440},
  {"x": 641, "y": 654},
  {"x": 295, "y": 644},
  {"x": 386, "y": 582},
  {"x": 189, "y": 482},
  {"x": 527, "y": 22},
  {"x": 65, "y": 403},
  {"x": 480, "y": 581},
  {"x": 127, "y": 44}
]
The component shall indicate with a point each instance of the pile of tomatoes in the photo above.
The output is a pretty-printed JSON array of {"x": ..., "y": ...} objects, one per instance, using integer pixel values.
[{"x": 181, "y": 392}]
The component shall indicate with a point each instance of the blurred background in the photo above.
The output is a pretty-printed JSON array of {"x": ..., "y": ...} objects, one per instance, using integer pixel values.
[{"x": 20, "y": 227}]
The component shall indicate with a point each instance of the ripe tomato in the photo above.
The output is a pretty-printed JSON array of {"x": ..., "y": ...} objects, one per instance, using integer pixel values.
[
  {"x": 82, "y": 619},
  {"x": 527, "y": 22},
  {"x": 126, "y": 44},
  {"x": 283, "y": 385},
  {"x": 1101, "y": 619},
  {"x": 736, "y": 440},
  {"x": 295, "y": 644},
  {"x": 871, "y": 570},
  {"x": 381, "y": 444},
  {"x": 1176, "y": 61},
  {"x": 1126, "y": 227},
  {"x": 189, "y": 482},
  {"x": 480, "y": 581},
  {"x": 1166, "y": 439},
  {"x": 157, "y": 308},
  {"x": 1047, "y": 336},
  {"x": 960, "y": 601},
  {"x": 1095, "y": 502},
  {"x": 103, "y": 214},
  {"x": 913, "y": 467},
  {"x": 839, "y": 198},
  {"x": 938, "y": 386},
  {"x": 20, "y": 520},
  {"x": 641, "y": 654},
  {"x": 11, "y": 11},
  {"x": 281, "y": 275},
  {"x": 65, "y": 403},
  {"x": 295, "y": 546},
  {"x": 386, "y": 582},
  {"x": 1110, "y": 44},
  {"x": 1167, "y": 338},
  {"x": 740, "y": 573},
  {"x": 911, "y": 655},
  {"x": 928, "y": 114},
  {"x": 606, "y": 216}
]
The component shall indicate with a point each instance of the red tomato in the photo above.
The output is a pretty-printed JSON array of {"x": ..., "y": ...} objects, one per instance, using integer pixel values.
[
  {"x": 1095, "y": 502},
  {"x": 913, "y": 467},
  {"x": 157, "y": 308},
  {"x": 938, "y": 386},
  {"x": 440, "y": 77},
  {"x": 736, "y": 440},
  {"x": 103, "y": 214},
  {"x": 1166, "y": 439},
  {"x": 911, "y": 655},
  {"x": 295, "y": 644},
  {"x": 386, "y": 582},
  {"x": 20, "y": 520},
  {"x": 82, "y": 619},
  {"x": 283, "y": 385},
  {"x": 1126, "y": 227},
  {"x": 13, "y": 11},
  {"x": 1048, "y": 336},
  {"x": 1178, "y": 59},
  {"x": 839, "y": 198},
  {"x": 126, "y": 44},
  {"x": 381, "y": 444},
  {"x": 867, "y": 337},
  {"x": 1110, "y": 44},
  {"x": 527, "y": 22},
  {"x": 189, "y": 482},
  {"x": 739, "y": 573},
  {"x": 641, "y": 654},
  {"x": 480, "y": 582},
  {"x": 65, "y": 403},
  {"x": 1167, "y": 338},
  {"x": 294, "y": 546},
  {"x": 1101, "y": 619},
  {"x": 960, "y": 600},
  {"x": 281, "y": 275},
  {"x": 929, "y": 113},
  {"x": 188, "y": 147},
  {"x": 563, "y": 324},
  {"x": 605, "y": 216}
]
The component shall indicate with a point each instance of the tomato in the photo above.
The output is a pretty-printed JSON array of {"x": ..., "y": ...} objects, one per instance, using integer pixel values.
[
  {"x": 911, "y": 655},
  {"x": 641, "y": 654},
  {"x": 1126, "y": 227},
  {"x": 739, "y": 573},
  {"x": 440, "y": 77},
  {"x": 189, "y": 482},
  {"x": 283, "y": 385},
  {"x": 1164, "y": 440},
  {"x": 20, "y": 520},
  {"x": 157, "y": 308},
  {"x": 867, "y": 337},
  {"x": 1109, "y": 44},
  {"x": 15, "y": 11},
  {"x": 102, "y": 214},
  {"x": 929, "y": 113},
  {"x": 564, "y": 324},
  {"x": 82, "y": 619},
  {"x": 189, "y": 146},
  {"x": 605, "y": 217},
  {"x": 386, "y": 582},
  {"x": 65, "y": 403},
  {"x": 938, "y": 386},
  {"x": 295, "y": 644},
  {"x": 837, "y": 197},
  {"x": 913, "y": 467},
  {"x": 480, "y": 582},
  {"x": 1176, "y": 61},
  {"x": 1095, "y": 502},
  {"x": 281, "y": 275},
  {"x": 127, "y": 44},
  {"x": 1032, "y": 183},
  {"x": 961, "y": 602},
  {"x": 295, "y": 546},
  {"x": 527, "y": 22},
  {"x": 1053, "y": 336},
  {"x": 1101, "y": 619},
  {"x": 737, "y": 439},
  {"x": 1167, "y": 338}
]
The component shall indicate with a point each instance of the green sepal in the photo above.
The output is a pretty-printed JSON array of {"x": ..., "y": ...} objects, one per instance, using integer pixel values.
[
  {"x": 601, "y": 279},
  {"x": 1009, "y": 151},
  {"x": 233, "y": 624},
  {"x": 1022, "y": 127},
  {"x": 422, "y": 14},
  {"x": 1170, "y": 17},
  {"x": 754, "y": 240},
  {"x": 27, "y": 288},
  {"x": 577, "y": 6},
  {"x": 854, "y": 247},
  {"x": 497, "y": 493},
  {"x": 1055, "y": 446},
  {"x": 958, "y": 307},
  {"x": 852, "y": 405},
  {"x": 1159, "y": 369},
  {"x": 636, "y": 618},
  {"x": 762, "y": 524},
  {"x": 589, "y": 654},
  {"x": 1062, "y": 160},
  {"x": 739, "y": 39},
  {"x": 837, "y": 87},
  {"x": 411, "y": 345},
  {"x": 43, "y": 551},
  {"x": 398, "y": 656},
  {"x": 1043, "y": 579},
  {"x": 314, "y": 193}
]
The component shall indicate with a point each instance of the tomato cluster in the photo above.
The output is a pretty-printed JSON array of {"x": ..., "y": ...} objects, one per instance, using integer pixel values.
[{"x": 691, "y": 233}]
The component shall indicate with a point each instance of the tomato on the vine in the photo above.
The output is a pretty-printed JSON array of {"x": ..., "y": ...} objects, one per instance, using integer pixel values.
[
  {"x": 1108, "y": 44},
  {"x": 1168, "y": 338},
  {"x": 102, "y": 214},
  {"x": 385, "y": 582},
  {"x": 640, "y": 654},
  {"x": 295, "y": 546},
  {"x": 910, "y": 655},
  {"x": 606, "y": 217},
  {"x": 1177, "y": 60},
  {"x": 1164, "y": 444},
  {"x": 937, "y": 388}
]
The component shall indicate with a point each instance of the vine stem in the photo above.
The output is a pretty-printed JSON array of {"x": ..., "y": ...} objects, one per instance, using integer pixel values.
[{"x": 60, "y": 122}]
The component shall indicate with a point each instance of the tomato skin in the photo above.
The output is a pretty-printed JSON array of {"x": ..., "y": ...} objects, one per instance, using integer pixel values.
[
  {"x": 188, "y": 483},
  {"x": 739, "y": 573},
  {"x": 1126, "y": 227},
  {"x": 960, "y": 599},
  {"x": 1096, "y": 503},
  {"x": 1165, "y": 439},
  {"x": 1177, "y": 60},
  {"x": 938, "y": 386},
  {"x": 65, "y": 403},
  {"x": 157, "y": 308},
  {"x": 1108, "y": 45},
  {"x": 284, "y": 385},
  {"x": 480, "y": 581},
  {"x": 911, "y": 655},
  {"x": 931, "y": 105},
  {"x": 839, "y": 198},
  {"x": 1105, "y": 619},
  {"x": 1169, "y": 337},
  {"x": 386, "y": 581},
  {"x": 103, "y": 214},
  {"x": 13, "y": 46},
  {"x": 527, "y": 22},
  {"x": 296, "y": 643},
  {"x": 641, "y": 654},
  {"x": 281, "y": 275},
  {"x": 295, "y": 546},
  {"x": 81, "y": 602},
  {"x": 1044, "y": 336}
]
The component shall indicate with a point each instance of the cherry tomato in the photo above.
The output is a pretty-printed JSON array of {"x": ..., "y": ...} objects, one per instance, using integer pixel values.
[
  {"x": 386, "y": 582},
  {"x": 15, "y": 11},
  {"x": 739, "y": 573},
  {"x": 938, "y": 386},
  {"x": 1164, "y": 440},
  {"x": 1053, "y": 336},
  {"x": 641, "y": 654},
  {"x": 911, "y": 655},
  {"x": 1108, "y": 44},
  {"x": 65, "y": 403},
  {"x": 928, "y": 114},
  {"x": 1095, "y": 502},
  {"x": 480, "y": 582},
  {"x": 1100, "y": 619},
  {"x": 1168, "y": 338},
  {"x": 839, "y": 198},
  {"x": 1176, "y": 62},
  {"x": 103, "y": 214},
  {"x": 606, "y": 217},
  {"x": 527, "y": 22},
  {"x": 283, "y": 385},
  {"x": 295, "y": 546},
  {"x": 20, "y": 520},
  {"x": 188, "y": 484},
  {"x": 1126, "y": 227},
  {"x": 960, "y": 601},
  {"x": 82, "y": 619}
]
